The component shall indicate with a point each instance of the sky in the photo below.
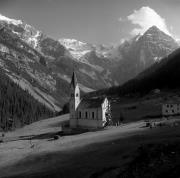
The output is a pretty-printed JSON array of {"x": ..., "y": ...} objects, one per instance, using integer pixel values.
[{"x": 96, "y": 21}]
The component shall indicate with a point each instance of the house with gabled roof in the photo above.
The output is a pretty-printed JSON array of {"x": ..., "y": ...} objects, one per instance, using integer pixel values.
[
  {"x": 171, "y": 108},
  {"x": 87, "y": 112}
]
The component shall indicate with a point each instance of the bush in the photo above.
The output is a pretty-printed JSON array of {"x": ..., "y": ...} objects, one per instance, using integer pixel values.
[{"x": 56, "y": 137}]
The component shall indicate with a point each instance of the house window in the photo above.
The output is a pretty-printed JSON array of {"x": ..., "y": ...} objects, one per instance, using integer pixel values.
[
  {"x": 93, "y": 115},
  {"x": 79, "y": 114},
  {"x": 86, "y": 114},
  {"x": 173, "y": 110},
  {"x": 72, "y": 95}
]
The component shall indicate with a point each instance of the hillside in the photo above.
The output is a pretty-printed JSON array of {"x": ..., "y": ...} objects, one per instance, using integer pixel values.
[
  {"x": 126, "y": 60},
  {"x": 117, "y": 151},
  {"x": 162, "y": 75},
  {"x": 18, "y": 107}
]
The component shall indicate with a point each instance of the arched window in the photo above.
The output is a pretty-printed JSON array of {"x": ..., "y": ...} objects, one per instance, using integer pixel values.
[
  {"x": 79, "y": 114},
  {"x": 93, "y": 115},
  {"x": 86, "y": 114},
  {"x": 76, "y": 94}
]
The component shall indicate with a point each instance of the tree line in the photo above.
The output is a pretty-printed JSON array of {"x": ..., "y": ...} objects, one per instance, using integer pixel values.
[{"x": 18, "y": 107}]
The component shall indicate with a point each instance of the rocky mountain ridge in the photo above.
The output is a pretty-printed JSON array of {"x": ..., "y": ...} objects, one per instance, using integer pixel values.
[{"x": 44, "y": 66}]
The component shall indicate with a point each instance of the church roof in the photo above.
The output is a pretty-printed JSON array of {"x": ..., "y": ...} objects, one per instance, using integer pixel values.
[
  {"x": 74, "y": 80},
  {"x": 91, "y": 103}
]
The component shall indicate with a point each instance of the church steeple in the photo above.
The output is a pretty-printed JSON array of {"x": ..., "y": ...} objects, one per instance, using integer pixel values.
[
  {"x": 74, "y": 97},
  {"x": 74, "y": 80}
]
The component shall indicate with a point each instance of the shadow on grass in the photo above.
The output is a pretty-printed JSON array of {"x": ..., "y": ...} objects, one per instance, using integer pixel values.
[
  {"x": 58, "y": 124},
  {"x": 51, "y": 135}
]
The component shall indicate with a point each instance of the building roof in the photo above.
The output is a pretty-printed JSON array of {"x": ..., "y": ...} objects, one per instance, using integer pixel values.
[
  {"x": 172, "y": 101},
  {"x": 91, "y": 103},
  {"x": 74, "y": 80}
]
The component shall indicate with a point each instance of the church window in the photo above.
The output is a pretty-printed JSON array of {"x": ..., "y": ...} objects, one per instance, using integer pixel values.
[
  {"x": 76, "y": 94},
  {"x": 79, "y": 114},
  {"x": 86, "y": 114},
  {"x": 93, "y": 115}
]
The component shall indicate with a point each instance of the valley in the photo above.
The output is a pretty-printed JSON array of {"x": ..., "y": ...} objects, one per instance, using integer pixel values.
[
  {"x": 43, "y": 66},
  {"x": 52, "y": 89}
]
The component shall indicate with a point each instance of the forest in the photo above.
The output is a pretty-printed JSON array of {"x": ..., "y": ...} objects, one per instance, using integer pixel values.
[{"x": 18, "y": 107}]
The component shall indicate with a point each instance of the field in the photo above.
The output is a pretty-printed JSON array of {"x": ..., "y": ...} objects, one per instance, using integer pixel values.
[
  {"x": 102, "y": 153},
  {"x": 135, "y": 108}
]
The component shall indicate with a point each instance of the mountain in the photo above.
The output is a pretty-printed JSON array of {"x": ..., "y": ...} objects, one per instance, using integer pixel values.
[
  {"x": 162, "y": 75},
  {"x": 124, "y": 61},
  {"x": 76, "y": 48},
  {"x": 43, "y": 66},
  {"x": 79, "y": 49},
  {"x": 142, "y": 52}
]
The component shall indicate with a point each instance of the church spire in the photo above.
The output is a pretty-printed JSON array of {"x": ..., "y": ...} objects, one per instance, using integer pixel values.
[{"x": 74, "y": 80}]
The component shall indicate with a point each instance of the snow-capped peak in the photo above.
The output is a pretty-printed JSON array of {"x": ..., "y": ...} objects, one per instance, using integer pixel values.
[
  {"x": 76, "y": 48},
  {"x": 178, "y": 41},
  {"x": 72, "y": 43},
  {"x": 8, "y": 20}
]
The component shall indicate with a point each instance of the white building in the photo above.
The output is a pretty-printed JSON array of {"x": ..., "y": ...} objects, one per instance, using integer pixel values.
[
  {"x": 170, "y": 109},
  {"x": 88, "y": 113}
]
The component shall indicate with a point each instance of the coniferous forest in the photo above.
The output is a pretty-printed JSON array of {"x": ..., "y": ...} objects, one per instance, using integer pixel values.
[{"x": 18, "y": 107}]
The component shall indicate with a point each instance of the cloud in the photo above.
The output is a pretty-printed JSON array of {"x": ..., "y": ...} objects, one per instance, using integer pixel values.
[
  {"x": 120, "y": 19},
  {"x": 145, "y": 18}
]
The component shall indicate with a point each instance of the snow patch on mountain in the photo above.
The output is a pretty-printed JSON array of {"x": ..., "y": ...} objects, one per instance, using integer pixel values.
[
  {"x": 157, "y": 59},
  {"x": 79, "y": 54},
  {"x": 72, "y": 43},
  {"x": 8, "y": 20},
  {"x": 33, "y": 40},
  {"x": 79, "y": 49},
  {"x": 76, "y": 48}
]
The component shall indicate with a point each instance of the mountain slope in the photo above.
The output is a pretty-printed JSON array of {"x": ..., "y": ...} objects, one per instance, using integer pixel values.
[
  {"x": 44, "y": 66},
  {"x": 162, "y": 75},
  {"x": 142, "y": 52},
  {"x": 18, "y": 107},
  {"x": 125, "y": 61}
]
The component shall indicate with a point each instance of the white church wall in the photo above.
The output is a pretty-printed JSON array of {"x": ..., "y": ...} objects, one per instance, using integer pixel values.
[
  {"x": 90, "y": 123},
  {"x": 96, "y": 111}
]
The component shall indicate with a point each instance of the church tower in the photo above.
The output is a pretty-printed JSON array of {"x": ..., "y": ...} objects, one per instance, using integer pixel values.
[{"x": 74, "y": 100}]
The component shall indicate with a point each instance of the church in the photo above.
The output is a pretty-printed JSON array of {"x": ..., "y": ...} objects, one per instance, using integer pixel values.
[{"x": 87, "y": 112}]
